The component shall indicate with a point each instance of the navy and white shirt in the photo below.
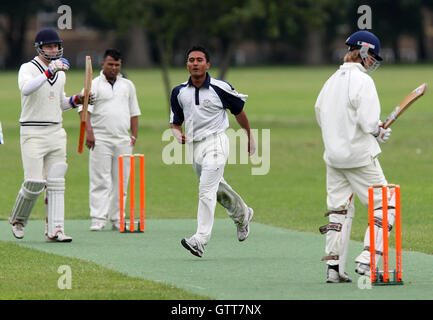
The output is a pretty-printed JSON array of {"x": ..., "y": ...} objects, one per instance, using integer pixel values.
[{"x": 204, "y": 109}]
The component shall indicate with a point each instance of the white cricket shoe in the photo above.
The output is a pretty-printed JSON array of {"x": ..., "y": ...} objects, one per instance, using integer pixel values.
[
  {"x": 194, "y": 246},
  {"x": 363, "y": 269},
  {"x": 97, "y": 226},
  {"x": 244, "y": 231},
  {"x": 116, "y": 227},
  {"x": 59, "y": 237},
  {"x": 333, "y": 276},
  {"x": 18, "y": 230}
]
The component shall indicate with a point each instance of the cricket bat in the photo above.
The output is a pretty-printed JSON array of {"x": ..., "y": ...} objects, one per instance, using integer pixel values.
[
  {"x": 87, "y": 86},
  {"x": 405, "y": 104}
]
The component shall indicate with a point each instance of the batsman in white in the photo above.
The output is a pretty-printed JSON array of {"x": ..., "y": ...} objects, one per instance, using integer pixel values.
[
  {"x": 348, "y": 113},
  {"x": 43, "y": 139},
  {"x": 201, "y": 104}
]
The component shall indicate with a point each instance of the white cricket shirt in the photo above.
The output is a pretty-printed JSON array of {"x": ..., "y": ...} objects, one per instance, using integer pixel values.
[
  {"x": 43, "y": 107},
  {"x": 348, "y": 112},
  {"x": 204, "y": 109},
  {"x": 115, "y": 105}
]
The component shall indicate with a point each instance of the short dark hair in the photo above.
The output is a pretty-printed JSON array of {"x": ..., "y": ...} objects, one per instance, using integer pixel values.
[
  {"x": 114, "y": 53},
  {"x": 198, "y": 48}
]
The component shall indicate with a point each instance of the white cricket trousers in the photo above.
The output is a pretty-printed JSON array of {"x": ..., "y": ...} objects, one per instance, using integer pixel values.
[
  {"x": 43, "y": 151},
  {"x": 40, "y": 148},
  {"x": 209, "y": 157},
  {"x": 104, "y": 180},
  {"x": 341, "y": 185}
]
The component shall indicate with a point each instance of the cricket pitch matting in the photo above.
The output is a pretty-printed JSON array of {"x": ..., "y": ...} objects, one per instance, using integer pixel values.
[{"x": 273, "y": 263}]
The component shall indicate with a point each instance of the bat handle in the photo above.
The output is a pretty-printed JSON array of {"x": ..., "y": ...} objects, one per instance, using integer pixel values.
[{"x": 391, "y": 118}]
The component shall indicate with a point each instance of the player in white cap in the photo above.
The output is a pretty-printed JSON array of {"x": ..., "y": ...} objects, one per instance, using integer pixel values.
[
  {"x": 43, "y": 139},
  {"x": 348, "y": 113}
]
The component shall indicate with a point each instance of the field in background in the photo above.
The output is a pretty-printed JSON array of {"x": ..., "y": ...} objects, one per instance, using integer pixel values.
[{"x": 292, "y": 195}]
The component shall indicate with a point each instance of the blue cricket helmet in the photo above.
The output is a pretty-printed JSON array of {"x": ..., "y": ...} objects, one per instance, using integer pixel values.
[
  {"x": 365, "y": 38},
  {"x": 47, "y": 36}
]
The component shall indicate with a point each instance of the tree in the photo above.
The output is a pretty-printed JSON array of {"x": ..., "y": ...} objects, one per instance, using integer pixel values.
[
  {"x": 166, "y": 21},
  {"x": 17, "y": 14},
  {"x": 213, "y": 21},
  {"x": 163, "y": 20},
  {"x": 230, "y": 22},
  {"x": 262, "y": 21},
  {"x": 393, "y": 18}
]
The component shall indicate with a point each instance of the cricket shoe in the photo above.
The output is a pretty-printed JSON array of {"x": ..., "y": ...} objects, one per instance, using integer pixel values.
[
  {"x": 97, "y": 226},
  {"x": 363, "y": 269},
  {"x": 18, "y": 230},
  {"x": 59, "y": 237},
  {"x": 194, "y": 246},
  {"x": 244, "y": 231},
  {"x": 333, "y": 276},
  {"x": 116, "y": 227}
]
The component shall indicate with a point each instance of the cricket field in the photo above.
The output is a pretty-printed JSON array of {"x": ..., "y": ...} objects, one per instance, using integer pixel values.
[{"x": 281, "y": 258}]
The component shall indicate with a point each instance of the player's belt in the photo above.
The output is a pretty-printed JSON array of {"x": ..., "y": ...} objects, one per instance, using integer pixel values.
[{"x": 37, "y": 123}]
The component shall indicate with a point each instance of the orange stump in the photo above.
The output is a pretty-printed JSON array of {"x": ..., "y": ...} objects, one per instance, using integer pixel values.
[
  {"x": 398, "y": 233},
  {"x": 131, "y": 193},
  {"x": 121, "y": 203},
  {"x": 374, "y": 276},
  {"x": 371, "y": 229}
]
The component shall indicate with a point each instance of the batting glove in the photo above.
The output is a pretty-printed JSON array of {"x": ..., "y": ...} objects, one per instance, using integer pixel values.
[
  {"x": 92, "y": 98},
  {"x": 382, "y": 135},
  {"x": 61, "y": 64},
  {"x": 77, "y": 99}
]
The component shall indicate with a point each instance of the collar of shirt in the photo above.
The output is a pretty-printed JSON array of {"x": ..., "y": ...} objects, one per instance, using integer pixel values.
[
  {"x": 119, "y": 76},
  {"x": 350, "y": 65},
  {"x": 205, "y": 84},
  {"x": 41, "y": 62}
]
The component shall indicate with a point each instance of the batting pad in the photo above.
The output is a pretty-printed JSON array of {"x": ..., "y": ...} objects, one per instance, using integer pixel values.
[
  {"x": 26, "y": 199},
  {"x": 55, "y": 198},
  {"x": 364, "y": 257},
  {"x": 345, "y": 236},
  {"x": 1, "y": 134}
]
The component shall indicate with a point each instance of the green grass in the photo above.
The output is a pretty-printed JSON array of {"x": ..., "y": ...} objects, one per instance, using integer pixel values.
[
  {"x": 293, "y": 194},
  {"x": 30, "y": 274}
]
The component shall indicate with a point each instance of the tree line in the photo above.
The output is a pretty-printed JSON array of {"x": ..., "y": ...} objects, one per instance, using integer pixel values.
[{"x": 223, "y": 24}]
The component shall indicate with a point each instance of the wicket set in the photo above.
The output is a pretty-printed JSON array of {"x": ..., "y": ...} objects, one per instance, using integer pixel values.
[
  {"x": 375, "y": 275},
  {"x": 141, "y": 225}
]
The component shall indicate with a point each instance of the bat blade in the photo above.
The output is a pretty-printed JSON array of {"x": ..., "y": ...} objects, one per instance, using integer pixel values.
[
  {"x": 405, "y": 104},
  {"x": 87, "y": 87},
  {"x": 82, "y": 135}
]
